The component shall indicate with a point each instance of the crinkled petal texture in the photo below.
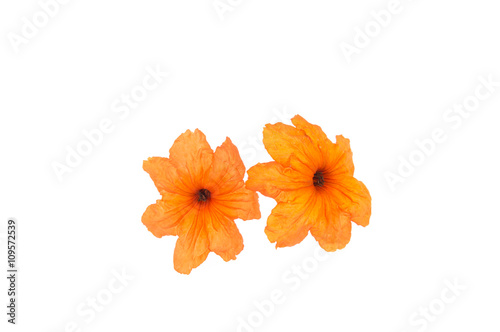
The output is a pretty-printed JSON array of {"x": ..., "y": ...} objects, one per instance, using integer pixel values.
[
  {"x": 203, "y": 222},
  {"x": 326, "y": 209}
]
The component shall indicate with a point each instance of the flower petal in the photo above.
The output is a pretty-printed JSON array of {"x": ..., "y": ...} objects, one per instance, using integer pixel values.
[
  {"x": 226, "y": 184},
  {"x": 223, "y": 235},
  {"x": 336, "y": 157},
  {"x": 341, "y": 162},
  {"x": 227, "y": 171},
  {"x": 313, "y": 131},
  {"x": 352, "y": 197},
  {"x": 271, "y": 179},
  {"x": 163, "y": 217},
  {"x": 239, "y": 204},
  {"x": 334, "y": 230},
  {"x": 192, "y": 156},
  {"x": 164, "y": 175},
  {"x": 192, "y": 247},
  {"x": 291, "y": 147},
  {"x": 291, "y": 219}
]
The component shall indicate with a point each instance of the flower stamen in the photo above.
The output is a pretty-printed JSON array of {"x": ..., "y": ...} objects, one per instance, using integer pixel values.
[
  {"x": 203, "y": 195},
  {"x": 318, "y": 179}
]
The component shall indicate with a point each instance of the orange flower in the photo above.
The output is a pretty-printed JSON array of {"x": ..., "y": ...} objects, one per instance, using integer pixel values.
[
  {"x": 202, "y": 192},
  {"x": 312, "y": 182}
]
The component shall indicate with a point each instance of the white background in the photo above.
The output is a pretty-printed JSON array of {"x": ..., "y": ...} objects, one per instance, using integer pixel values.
[{"x": 228, "y": 78}]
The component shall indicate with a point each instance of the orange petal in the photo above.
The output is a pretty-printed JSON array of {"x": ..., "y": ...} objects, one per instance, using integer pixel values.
[
  {"x": 227, "y": 171},
  {"x": 163, "y": 217},
  {"x": 352, "y": 197},
  {"x": 226, "y": 184},
  {"x": 334, "y": 230},
  {"x": 239, "y": 204},
  {"x": 271, "y": 179},
  {"x": 192, "y": 247},
  {"x": 291, "y": 219},
  {"x": 319, "y": 139},
  {"x": 335, "y": 157},
  {"x": 341, "y": 158},
  {"x": 192, "y": 156},
  {"x": 291, "y": 147},
  {"x": 224, "y": 237},
  {"x": 313, "y": 131},
  {"x": 164, "y": 175}
]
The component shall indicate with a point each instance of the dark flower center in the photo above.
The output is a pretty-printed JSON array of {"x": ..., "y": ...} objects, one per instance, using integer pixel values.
[
  {"x": 203, "y": 195},
  {"x": 318, "y": 179}
]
